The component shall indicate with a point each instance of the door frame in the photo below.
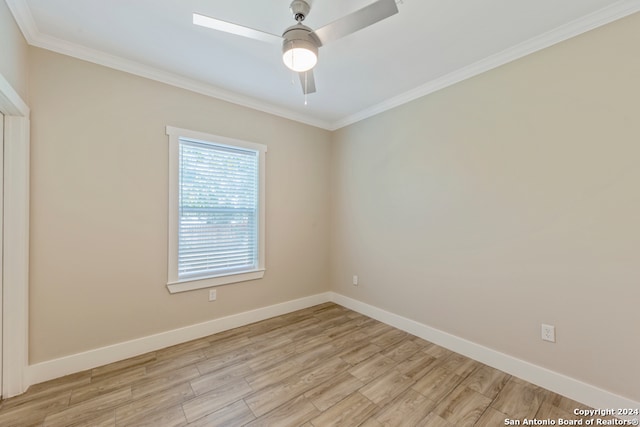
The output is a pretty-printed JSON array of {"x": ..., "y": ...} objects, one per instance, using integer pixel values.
[
  {"x": 15, "y": 242},
  {"x": 1, "y": 231}
]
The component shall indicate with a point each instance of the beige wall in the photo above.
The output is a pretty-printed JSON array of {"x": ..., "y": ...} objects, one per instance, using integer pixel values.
[
  {"x": 13, "y": 52},
  {"x": 99, "y": 206},
  {"x": 506, "y": 201}
]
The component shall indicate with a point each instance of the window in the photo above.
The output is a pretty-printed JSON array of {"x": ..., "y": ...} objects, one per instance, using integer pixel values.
[{"x": 216, "y": 210}]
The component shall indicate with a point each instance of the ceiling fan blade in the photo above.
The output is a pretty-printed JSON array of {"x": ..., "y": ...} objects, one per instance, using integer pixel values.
[
  {"x": 308, "y": 82},
  {"x": 228, "y": 27},
  {"x": 357, "y": 20}
]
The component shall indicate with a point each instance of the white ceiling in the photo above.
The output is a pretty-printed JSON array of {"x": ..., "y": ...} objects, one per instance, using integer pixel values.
[{"x": 428, "y": 45}]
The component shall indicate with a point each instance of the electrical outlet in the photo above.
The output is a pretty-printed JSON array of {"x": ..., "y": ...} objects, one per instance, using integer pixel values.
[
  {"x": 548, "y": 333},
  {"x": 213, "y": 294},
  {"x": 355, "y": 280}
]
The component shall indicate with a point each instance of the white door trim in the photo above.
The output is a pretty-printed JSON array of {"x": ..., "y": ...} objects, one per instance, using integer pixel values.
[{"x": 15, "y": 301}]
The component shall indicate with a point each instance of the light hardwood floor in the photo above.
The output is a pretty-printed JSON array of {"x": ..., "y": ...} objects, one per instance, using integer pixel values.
[{"x": 322, "y": 366}]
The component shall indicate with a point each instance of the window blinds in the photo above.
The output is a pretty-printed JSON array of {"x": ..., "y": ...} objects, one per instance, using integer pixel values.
[{"x": 218, "y": 209}]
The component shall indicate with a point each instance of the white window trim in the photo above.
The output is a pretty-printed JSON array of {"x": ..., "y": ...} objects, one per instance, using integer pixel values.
[{"x": 174, "y": 284}]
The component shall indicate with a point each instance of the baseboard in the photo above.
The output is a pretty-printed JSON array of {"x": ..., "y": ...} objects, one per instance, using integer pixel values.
[
  {"x": 554, "y": 381},
  {"x": 56, "y": 368}
]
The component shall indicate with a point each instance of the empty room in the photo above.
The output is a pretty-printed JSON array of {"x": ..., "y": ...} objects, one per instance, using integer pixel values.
[{"x": 319, "y": 213}]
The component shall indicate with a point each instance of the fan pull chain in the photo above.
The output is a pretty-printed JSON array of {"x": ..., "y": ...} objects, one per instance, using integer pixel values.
[
  {"x": 293, "y": 56},
  {"x": 305, "y": 87}
]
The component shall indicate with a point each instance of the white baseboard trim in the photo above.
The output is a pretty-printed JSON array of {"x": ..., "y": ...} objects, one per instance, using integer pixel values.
[
  {"x": 550, "y": 380},
  {"x": 66, "y": 365},
  {"x": 554, "y": 381}
]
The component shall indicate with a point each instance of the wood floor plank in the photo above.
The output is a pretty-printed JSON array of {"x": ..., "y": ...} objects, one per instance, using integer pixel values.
[
  {"x": 491, "y": 418},
  {"x": 328, "y": 323},
  {"x": 290, "y": 366},
  {"x": 389, "y": 338},
  {"x": 487, "y": 381},
  {"x": 460, "y": 365},
  {"x": 386, "y": 387},
  {"x": 333, "y": 391},
  {"x": 519, "y": 400},
  {"x": 89, "y": 408},
  {"x": 277, "y": 394},
  {"x": 117, "y": 367},
  {"x": 422, "y": 343},
  {"x": 158, "y": 383},
  {"x": 417, "y": 365},
  {"x": 437, "y": 351},
  {"x": 216, "y": 379},
  {"x": 215, "y": 399},
  {"x": 310, "y": 343},
  {"x": 107, "y": 419},
  {"x": 406, "y": 410},
  {"x": 228, "y": 334},
  {"x": 172, "y": 417},
  {"x": 306, "y": 328},
  {"x": 169, "y": 363},
  {"x": 226, "y": 345},
  {"x": 437, "y": 383},
  {"x": 347, "y": 326},
  {"x": 233, "y": 415},
  {"x": 351, "y": 411},
  {"x": 265, "y": 358},
  {"x": 462, "y": 407},
  {"x": 36, "y": 411},
  {"x": 402, "y": 350},
  {"x": 107, "y": 384},
  {"x": 48, "y": 389},
  {"x": 252, "y": 354},
  {"x": 375, "y": 329},
  {"x": 275, "y": 375},
  {"x": 548, "y": 411},
  {"x": 346, "y": 342},
  {"x": 372, "y": 367},
  {"x": 332, "y": 314},
  {"x": 371, "y": 422},
  {"x": 362, "y": 351},
  {"x": 321, "y": 366},
  {"x": 150, "y": 404},
  {"x": 178, "y": 350},
  {"x": 293, "y": 413},
  {"x": 434, "y": 420},
  {"x": 222, "y": 361},
  {"x": 564, "y": 403}
]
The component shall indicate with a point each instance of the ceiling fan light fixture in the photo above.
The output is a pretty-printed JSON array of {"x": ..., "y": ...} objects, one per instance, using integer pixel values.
[
  {"x": 299, "y": 55},
  {"x": 299, "y": 48},
  {"x": 300, "y": 44}
]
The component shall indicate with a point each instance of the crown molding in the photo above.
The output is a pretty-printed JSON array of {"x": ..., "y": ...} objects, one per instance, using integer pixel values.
[
  {"x": 133, "y": 67},
  {"x": 34, "y": 37},
  {"x": 24, "y": 18},
  {"x": 579, "y": 26}
]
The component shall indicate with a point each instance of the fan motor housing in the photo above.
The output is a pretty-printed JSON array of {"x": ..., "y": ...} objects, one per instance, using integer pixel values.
[{"x": 300, "y": 33}]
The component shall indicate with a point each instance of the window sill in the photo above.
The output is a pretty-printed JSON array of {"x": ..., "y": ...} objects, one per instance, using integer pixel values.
[{"x": 209, "y": 282}]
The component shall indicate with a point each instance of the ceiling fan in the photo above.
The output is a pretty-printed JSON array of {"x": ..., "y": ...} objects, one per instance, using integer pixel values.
[{"x": 300, "y": 43}]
